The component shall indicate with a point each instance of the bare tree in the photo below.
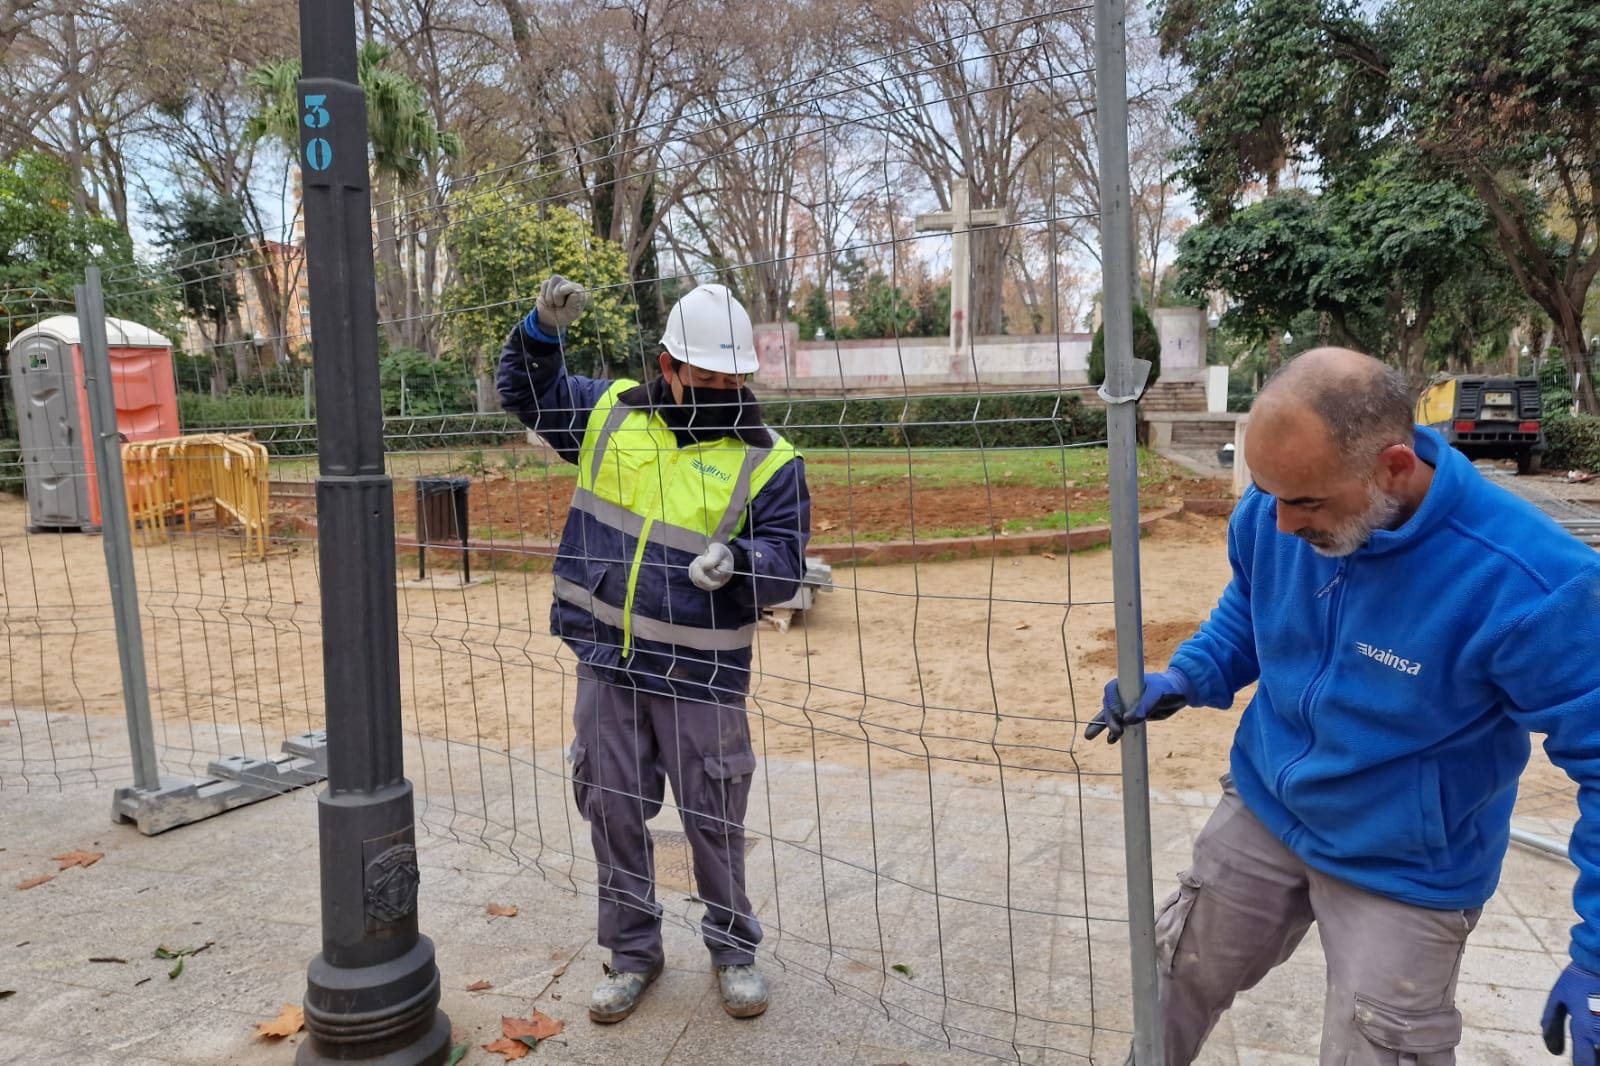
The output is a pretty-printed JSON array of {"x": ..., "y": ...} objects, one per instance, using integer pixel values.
[
  {"x": 193, "y": 61},
  {"x": 65, "y": 71},
  {"x": 962, "y": 90}
]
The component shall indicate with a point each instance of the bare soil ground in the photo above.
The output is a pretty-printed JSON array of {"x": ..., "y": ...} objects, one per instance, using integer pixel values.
[
  {"x": 971, "y": 664},
  {"x": 885, "y": 496}
]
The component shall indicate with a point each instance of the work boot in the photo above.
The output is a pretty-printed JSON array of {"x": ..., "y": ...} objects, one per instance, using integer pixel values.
[
  {"x": 615, "y": 997},
  {"x": 744, "y": 990}
]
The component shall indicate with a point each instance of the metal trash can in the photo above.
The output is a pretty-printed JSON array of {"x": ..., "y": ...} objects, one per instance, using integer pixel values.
[{"x": 442, "y": 520}]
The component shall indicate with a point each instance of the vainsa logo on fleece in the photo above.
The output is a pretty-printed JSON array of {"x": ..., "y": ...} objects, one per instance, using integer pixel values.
[{"x": 1390, "y": 659}]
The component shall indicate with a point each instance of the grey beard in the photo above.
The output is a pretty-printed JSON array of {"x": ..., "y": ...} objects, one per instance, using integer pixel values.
[{"x": 1381, "y": 513}]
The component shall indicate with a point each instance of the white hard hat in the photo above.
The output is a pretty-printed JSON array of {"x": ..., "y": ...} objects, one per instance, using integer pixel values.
[{"x": 711, "y": 330}]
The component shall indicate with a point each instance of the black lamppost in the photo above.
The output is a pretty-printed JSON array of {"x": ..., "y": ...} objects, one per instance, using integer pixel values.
[{"x": 373, "y": 992}]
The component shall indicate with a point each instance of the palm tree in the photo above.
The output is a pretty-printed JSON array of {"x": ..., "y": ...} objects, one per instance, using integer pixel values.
[{"x": 406, "y": 143}]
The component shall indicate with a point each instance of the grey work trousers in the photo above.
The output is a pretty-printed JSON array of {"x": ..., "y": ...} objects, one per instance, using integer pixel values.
[
  {"x": 1243, "y": 907},
  {"x": 627, "y": 741}
]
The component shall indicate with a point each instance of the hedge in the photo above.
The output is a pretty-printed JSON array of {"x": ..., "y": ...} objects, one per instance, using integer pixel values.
[
  {"x": 999, "y": 420},
  {"x": 1574, "y": 441},
  {"x": 399, "y": 434}
]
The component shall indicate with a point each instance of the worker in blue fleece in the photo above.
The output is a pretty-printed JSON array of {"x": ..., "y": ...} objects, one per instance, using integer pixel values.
[
  {"x": 689, "y": 516},
  {"x": 1408, "y": 624}
]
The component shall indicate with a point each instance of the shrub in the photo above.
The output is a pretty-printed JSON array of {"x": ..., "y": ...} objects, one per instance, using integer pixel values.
[
  {"x": 11, "y": 479},
  {"x": 432, "y": 386},
  {"x": 1574, "y": 441},
  {"x": 1146, "y": 345}
]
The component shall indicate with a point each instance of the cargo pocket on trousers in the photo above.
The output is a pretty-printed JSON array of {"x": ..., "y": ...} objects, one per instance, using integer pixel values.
[
  {"x": 727, "y": 791},
  {"x": 1417, "y": 1037},
  {"x": 1172, "y": 917},
  {"x": 582, "y": 786}
]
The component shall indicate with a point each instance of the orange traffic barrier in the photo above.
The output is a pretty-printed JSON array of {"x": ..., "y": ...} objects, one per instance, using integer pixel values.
[{"x": 177, "y": 478}]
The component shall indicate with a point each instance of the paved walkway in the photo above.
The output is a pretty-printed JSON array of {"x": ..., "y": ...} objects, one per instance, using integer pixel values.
[{"x": 1021, "y": 954}]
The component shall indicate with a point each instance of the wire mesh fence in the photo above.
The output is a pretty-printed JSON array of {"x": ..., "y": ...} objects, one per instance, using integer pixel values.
[{"x": 927, "y": 831}]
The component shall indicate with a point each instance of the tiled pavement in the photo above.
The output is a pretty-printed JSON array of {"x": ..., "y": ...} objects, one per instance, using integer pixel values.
[{"x": 1002, "y": 961}]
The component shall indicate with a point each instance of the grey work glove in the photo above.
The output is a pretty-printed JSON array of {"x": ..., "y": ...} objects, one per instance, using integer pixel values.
[
  {"x": 560, "y": 304},
  {"x": 712, "y": 568}
]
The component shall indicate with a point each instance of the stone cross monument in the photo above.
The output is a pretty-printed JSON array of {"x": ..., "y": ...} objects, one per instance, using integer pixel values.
[{"x": 959, "y": 221}]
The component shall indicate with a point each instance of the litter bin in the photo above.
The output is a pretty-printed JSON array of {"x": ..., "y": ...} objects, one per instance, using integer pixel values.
[{"x": 442, "y": 520}]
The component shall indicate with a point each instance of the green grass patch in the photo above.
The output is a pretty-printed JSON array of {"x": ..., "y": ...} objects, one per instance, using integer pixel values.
[
  {"x": 452, "y": 462},
  {"x": 1093, "y": 516},
  {"x": 935, "y": 467}
]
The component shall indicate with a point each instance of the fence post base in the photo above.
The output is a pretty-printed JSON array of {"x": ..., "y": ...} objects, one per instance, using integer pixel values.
[{"x": 235, "y": 781}]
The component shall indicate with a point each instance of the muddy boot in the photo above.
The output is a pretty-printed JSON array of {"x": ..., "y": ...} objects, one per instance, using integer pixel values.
[
  {"x": 615, "y": 997},
  {"x": 744, "y": 990}
]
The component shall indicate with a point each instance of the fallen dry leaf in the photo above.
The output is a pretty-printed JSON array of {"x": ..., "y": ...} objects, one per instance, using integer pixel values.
[
  {"x": 7, "y": 721},
  {"x": 290, "y": 1020},
  {"x": 479, "y": 986},
  {"x": 1047, "y": 555},
  {"x": 503, "y": 910},
  {"x": 511, "y": 1049},
  {"x": 35, "y": 882},
  {"x": 1022, "y": 625},
  {"x": 78, "y": 858},
  {"x": 538, "y": 1025}
]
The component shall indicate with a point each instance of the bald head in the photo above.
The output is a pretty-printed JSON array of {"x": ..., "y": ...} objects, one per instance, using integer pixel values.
[
  {"x": 1330, "y": 440},
  {"x": 1360, "y": 406}
]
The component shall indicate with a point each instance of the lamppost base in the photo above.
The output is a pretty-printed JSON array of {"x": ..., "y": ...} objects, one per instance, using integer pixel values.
[
  {"x": 432, "y": 1050},
  {"x": 386, "y": 1014}
]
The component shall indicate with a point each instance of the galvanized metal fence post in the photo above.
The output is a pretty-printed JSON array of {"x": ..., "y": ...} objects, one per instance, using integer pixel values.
[
  {"x": 373, "y": 992},
  {"x": 116, "y": 529},
  {"x": 1124, "y": 381}
]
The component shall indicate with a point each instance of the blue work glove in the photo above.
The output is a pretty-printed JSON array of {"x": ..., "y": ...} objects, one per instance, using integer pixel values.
[
  {"x": 1577, "y": 995},
  {"x": 1164, "y": 695}
]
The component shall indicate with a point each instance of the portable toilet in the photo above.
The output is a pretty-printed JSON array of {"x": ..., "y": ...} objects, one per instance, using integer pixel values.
[{"x": 53, "y": 427}]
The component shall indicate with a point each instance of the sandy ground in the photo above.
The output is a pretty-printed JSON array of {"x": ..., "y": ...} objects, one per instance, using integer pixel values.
[
  {"x": 974, "y": 666},
  {"x": 974, "y": 663}
]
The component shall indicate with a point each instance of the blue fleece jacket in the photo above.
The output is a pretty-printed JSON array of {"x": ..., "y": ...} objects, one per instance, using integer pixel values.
[{"x": 1398, "y": 686}]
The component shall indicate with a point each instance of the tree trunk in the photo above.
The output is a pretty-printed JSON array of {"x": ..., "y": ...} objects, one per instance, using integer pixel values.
[
  {"x": 267, "y": 275},
  {"x": 1576, "y": 354},
  {"x": 411, "y": 328},
  {"x": 391, "y": 270},
  {"x": 76, "y": 153},
  {"x": 430, "y": 279},
  {"x": 989, "y": 248},
  {"x": 242, "y": 347},
  {"x": 522, "y": 41}
]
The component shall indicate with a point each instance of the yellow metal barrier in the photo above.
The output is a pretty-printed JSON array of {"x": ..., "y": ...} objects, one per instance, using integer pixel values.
[{"x": 177, "y": 477}]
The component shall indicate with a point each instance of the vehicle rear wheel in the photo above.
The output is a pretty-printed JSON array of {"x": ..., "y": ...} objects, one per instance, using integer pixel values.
[{"x": 1529, "y": 463}]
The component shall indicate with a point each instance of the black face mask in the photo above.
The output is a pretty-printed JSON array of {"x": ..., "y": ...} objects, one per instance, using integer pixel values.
[
  {"x": 714, "y": 410},
  {"x": 709, "y": 414}
]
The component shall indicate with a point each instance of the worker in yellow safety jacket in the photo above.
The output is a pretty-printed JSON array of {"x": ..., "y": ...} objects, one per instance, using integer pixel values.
[{"x": 689, "y": 516}]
